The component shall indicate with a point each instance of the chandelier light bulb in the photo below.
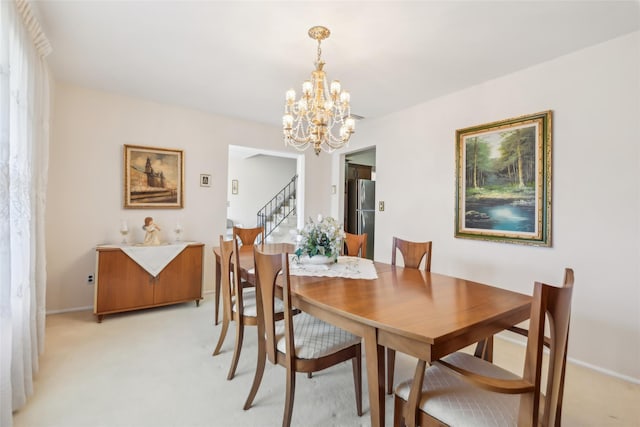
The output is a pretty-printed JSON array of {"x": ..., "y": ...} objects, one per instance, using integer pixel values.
[
  {"x": 287, "y": 121},
  {"x": 291, "y": 95},
  {"x": 307, "y": 87},
  {"x": 350, "y": 124},
  {"x": 335, "y": 87}
]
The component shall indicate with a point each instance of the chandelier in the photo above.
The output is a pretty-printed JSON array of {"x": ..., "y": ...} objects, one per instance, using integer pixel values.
[{"x": 322, "y": 115}]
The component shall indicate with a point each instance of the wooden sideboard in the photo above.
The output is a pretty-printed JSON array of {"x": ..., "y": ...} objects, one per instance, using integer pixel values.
[{"x": 123, "y": 285}]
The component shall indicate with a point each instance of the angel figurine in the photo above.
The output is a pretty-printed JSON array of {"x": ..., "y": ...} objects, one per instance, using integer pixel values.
[{"x": 152, "y": 236}]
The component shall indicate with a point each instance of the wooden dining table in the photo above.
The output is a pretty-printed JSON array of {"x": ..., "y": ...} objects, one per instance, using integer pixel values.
[{"x": 423, "y": 314}]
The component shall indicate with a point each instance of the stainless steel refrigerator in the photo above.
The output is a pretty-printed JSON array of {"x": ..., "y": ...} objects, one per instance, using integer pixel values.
[{"x": 361, "y": 210}]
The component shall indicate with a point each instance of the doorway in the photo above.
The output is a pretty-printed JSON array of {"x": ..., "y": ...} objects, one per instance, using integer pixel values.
[
  {"x": 359, "y": 195},
  {"x": 254, "y": 175}
]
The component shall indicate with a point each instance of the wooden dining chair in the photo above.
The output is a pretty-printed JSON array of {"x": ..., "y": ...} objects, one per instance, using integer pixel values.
[
  {"x": 462, "y": 389},
  {"x": 249, "y": 236},
  {"x": 412, "y": 254},
  {"x": 239, "y": 303},
  {"x": 355, "y": 245},
  {"x": 300, "y": 343}
]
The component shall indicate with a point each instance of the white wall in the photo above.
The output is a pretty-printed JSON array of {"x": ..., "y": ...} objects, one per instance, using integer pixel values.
[
  {"x": 595, "y": 98},
  {"x": 84, "y": 198},
  {"x": 260, "y": 178}
]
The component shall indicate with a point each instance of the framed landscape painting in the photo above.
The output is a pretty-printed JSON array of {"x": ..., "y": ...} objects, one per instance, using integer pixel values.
[
  {"x": 153, "y": 177},
  {"x": 503, "y": 184}
]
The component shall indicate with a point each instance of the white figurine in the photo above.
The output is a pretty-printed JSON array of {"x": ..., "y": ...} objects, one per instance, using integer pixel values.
[{"x": 152, "y": 237}]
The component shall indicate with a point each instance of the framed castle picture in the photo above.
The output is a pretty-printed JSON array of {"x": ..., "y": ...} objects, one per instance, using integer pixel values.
[{"x": 153, "y": 177}]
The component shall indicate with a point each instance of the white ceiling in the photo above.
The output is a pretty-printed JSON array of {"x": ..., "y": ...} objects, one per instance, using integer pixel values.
[{"x": 238, "y": 58}]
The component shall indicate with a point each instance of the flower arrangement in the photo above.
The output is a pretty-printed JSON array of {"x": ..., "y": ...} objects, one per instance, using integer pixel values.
[{"x": 323, "y": 237}]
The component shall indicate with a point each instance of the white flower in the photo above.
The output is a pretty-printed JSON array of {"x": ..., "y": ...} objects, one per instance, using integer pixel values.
[{"x": 321, "y": 238}]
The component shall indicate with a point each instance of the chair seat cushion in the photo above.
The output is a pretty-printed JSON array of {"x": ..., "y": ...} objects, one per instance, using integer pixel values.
[
  {"x": 455, "y": 402},
  {"x": 314, "y": 338},
  {"x": 249, "y": 303}
]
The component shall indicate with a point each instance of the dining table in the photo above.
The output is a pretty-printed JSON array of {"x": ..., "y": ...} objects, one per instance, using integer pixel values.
[{"x": 424, "y": 314}]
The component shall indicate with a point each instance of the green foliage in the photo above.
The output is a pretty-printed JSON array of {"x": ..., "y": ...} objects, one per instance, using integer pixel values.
[{"x": 320, "y": 238}]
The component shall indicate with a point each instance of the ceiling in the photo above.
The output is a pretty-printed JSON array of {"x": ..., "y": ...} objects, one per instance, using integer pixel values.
[{"x": 238, "y": 58}]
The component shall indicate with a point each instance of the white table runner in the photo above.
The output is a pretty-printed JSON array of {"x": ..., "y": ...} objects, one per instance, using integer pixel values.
[
  {"x": 347, "y": 267},
  {"x": 152, "y": 258}
]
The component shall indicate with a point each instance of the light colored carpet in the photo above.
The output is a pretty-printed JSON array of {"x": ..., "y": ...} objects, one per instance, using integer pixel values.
[{"x": 154, "y": 368}]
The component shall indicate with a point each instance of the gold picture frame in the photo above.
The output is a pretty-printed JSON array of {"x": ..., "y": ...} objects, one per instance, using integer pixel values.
[
  {"x": 153, "y": 178},
  {"x": 503, "y": 181}
]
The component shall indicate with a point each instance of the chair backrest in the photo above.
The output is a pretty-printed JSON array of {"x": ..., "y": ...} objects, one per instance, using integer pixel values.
[
  {"x": 355, "y": 244},
  {"x": 268, "y": 267},
  {"x": 226, "y": 252},
  {"x": 230, "y": 276},
  {"x": 555, "y": 303},
  {"x": 412, "y": 253},
  {"x": 249, "y": 236}
]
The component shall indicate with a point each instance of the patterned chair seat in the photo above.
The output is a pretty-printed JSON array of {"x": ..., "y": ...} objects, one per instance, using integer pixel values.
[
  {"x": 249, "y": 303},
  {"x": 455, "y": 402},
  {"x": 314, "y": 338}
]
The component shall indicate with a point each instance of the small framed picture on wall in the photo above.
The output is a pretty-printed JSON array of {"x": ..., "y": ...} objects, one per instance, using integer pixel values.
[{"x": 205, "y": 180}]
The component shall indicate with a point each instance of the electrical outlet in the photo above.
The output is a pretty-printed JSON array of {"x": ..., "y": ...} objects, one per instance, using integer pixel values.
[
  {"x": 381, "y": 206},
  {"x": 90, "y": 279}
]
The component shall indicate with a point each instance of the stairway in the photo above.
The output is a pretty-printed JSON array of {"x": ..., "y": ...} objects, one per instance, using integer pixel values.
[
  {"x": 278, "y": 216},
  {"x": 285, "y": 232}
]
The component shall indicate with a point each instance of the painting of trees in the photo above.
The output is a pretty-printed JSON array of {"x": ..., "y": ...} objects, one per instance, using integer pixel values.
[
  {"x": 503, "y": 158},
  {"x": 504, "y": 179}
]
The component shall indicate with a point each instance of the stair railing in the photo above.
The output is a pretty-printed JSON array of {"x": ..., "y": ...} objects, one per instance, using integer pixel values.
[{"x": 276, "y": 210}]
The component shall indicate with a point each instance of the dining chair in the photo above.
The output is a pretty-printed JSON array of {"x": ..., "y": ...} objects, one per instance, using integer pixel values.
[
  {"x": 300, "y": 343},
  {"x": 239, "y": 303},
  {"x": 461, "y": 389},
  {"x": 249, "y": 236},
  {"x": 355, "y": 244},
  {"x": 412, "y": 254}
]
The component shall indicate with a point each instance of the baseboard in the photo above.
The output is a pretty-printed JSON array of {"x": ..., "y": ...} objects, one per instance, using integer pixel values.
[
  {"x": 578, "y": 362},
  {"x": 69, "y": 310},
  {"x": 90, "y": 307}
]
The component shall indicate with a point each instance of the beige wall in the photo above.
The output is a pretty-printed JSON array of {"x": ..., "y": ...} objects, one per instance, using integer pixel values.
[
  {"x": 595, "y": 98},
  {"x": 84, "y": 198}
]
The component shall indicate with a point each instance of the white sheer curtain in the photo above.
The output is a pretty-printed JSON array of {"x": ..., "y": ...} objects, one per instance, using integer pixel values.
[{"x": 24, "y": 143}]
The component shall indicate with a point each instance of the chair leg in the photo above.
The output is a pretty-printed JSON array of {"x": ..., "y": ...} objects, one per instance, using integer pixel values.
[
  {"x": 309, "y": 374},
  {"x": 257, "y": 378},
  {"x": 237, "y": 348},
  {"x": 356, "y": 364},
  {"x": 391, "y": 365},
  {"x": 288, "y": 404},
  {"x": 217, "y": 293},
  {"x": 223, "y": 334}
]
